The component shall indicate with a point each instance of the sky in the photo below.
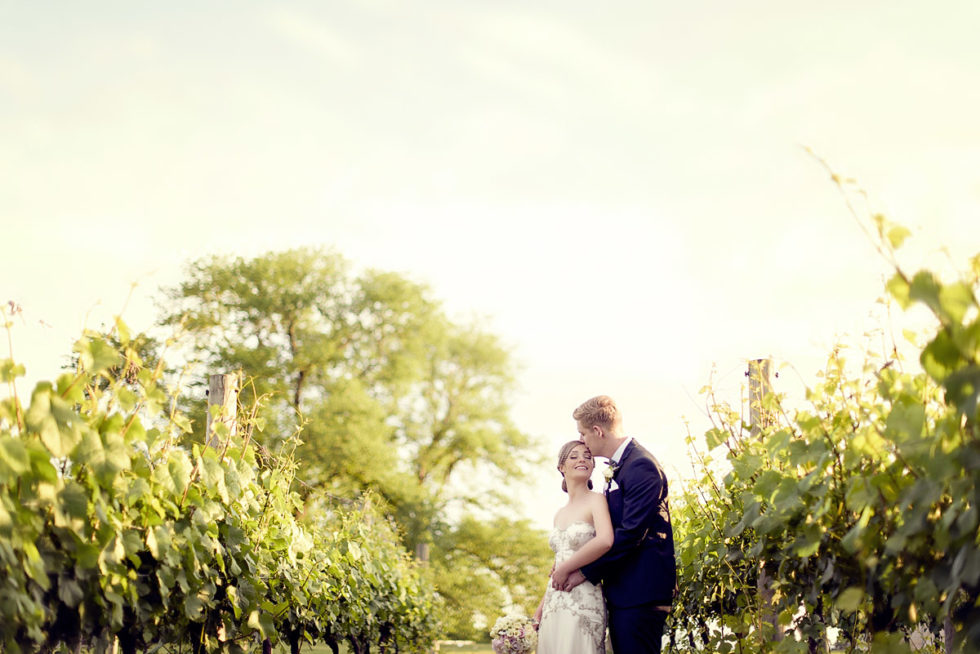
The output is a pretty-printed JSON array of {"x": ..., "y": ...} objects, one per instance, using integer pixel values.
[{"x": 624, "y": 193}]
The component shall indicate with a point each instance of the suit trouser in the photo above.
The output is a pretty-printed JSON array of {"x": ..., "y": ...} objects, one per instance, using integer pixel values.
[{"x": 637, "y": 629}]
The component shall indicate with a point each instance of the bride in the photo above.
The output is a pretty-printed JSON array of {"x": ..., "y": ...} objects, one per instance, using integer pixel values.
[{"x": 574, "y": 622}]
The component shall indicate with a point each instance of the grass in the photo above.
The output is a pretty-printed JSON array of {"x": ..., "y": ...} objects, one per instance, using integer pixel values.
[{"x": 477, "y": 648}]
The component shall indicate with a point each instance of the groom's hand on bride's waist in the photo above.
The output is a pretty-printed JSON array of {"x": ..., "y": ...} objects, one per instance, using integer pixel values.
[
  {"x": 569, "y": 582},
  {"x": 559, "y": 574}
]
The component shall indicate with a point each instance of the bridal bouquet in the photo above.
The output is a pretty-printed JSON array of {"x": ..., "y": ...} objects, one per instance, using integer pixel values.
[{"x": 513, "y": 634}]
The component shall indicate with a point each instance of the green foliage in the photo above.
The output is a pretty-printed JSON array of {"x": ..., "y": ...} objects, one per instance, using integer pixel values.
[
  {"x": 111, "y": 529},
  {"x": 368, "y": 358},
  {"x": 393, "y": 397},
  {"x": 859, "y": 511},
  {"x": 484, "y": 565}
]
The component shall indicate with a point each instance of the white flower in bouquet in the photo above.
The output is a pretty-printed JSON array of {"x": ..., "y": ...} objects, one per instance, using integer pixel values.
[{"x": 513, "y": 634}]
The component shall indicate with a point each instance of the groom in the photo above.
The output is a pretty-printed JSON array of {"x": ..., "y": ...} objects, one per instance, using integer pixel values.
[{"x": 638, "y": 573}]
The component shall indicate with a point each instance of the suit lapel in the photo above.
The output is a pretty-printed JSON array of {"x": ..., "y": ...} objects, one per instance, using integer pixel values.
[
  {"x": 615, "y": 498},
  {"x": 630, "y": 448}
]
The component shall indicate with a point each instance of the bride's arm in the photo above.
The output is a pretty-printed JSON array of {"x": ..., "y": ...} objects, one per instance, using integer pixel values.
[
  {"x": 536, "y": 620},
  {"x": 593, "y": 549}
]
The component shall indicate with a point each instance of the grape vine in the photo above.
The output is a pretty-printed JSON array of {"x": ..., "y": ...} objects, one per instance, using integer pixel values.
[
  {"x": 861, "y": 509},
  {"x": 111, "y": 529}
]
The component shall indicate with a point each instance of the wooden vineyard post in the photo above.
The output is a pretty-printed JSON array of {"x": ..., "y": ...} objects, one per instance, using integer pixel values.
[
  {"x": 223, "y": 392},
  {"x": 760, "y": 418},
  {"x": 759, "y": 387}
]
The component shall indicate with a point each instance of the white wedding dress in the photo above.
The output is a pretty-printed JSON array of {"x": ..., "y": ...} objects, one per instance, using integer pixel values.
[{"x": 572, "y": 622}]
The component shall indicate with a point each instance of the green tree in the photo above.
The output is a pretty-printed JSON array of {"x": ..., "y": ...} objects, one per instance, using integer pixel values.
[
  {"x": 482, "y": 564},
  {"x": 392, "y": 395}
]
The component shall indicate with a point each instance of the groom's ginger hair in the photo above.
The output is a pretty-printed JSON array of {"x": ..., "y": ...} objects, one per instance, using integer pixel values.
[{"x": 599, "y": 410}]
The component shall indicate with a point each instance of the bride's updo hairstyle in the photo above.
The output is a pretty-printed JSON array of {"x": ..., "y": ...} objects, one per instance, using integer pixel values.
[{"x": 563, "y": 453}]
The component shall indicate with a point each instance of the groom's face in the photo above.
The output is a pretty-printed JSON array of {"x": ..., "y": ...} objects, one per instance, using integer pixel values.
[{"x": 590, "y": 436}]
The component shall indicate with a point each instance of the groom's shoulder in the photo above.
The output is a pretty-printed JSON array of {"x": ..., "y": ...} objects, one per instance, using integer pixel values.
[
  {"x": 640, "y": 450},
  {"x": 643, "y": 454}
]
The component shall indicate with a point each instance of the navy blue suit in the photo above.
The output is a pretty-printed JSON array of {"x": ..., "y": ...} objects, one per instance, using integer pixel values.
[{"x": 638, "y": 573}]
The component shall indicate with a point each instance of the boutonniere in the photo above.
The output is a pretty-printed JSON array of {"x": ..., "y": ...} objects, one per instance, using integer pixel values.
[{"x": 610, "y": 471}]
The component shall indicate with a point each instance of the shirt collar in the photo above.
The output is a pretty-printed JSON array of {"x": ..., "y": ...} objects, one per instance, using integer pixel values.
[{"x": 618, "y": 454}]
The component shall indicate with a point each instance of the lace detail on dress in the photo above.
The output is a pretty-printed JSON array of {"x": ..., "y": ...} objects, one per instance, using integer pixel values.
[{"x": 582, "y": 609}]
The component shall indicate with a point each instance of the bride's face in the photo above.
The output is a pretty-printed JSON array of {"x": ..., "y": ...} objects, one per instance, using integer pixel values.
[{"x": 579, "y": 462}]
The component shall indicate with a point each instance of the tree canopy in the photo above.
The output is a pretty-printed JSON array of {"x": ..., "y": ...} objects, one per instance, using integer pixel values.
[{"x": 391, "y": 394}]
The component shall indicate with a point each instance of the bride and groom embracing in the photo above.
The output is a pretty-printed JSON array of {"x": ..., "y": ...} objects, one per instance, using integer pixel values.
[{"x": 618, "y": 544}]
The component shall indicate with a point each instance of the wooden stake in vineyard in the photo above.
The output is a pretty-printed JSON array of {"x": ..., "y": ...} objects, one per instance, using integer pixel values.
[
  {"x": 222, "y": 392},
  {"x": 759, "y": 386}
]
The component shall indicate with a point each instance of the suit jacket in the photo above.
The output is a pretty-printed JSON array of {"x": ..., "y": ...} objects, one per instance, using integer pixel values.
[{"x": 639, "y": 568}]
